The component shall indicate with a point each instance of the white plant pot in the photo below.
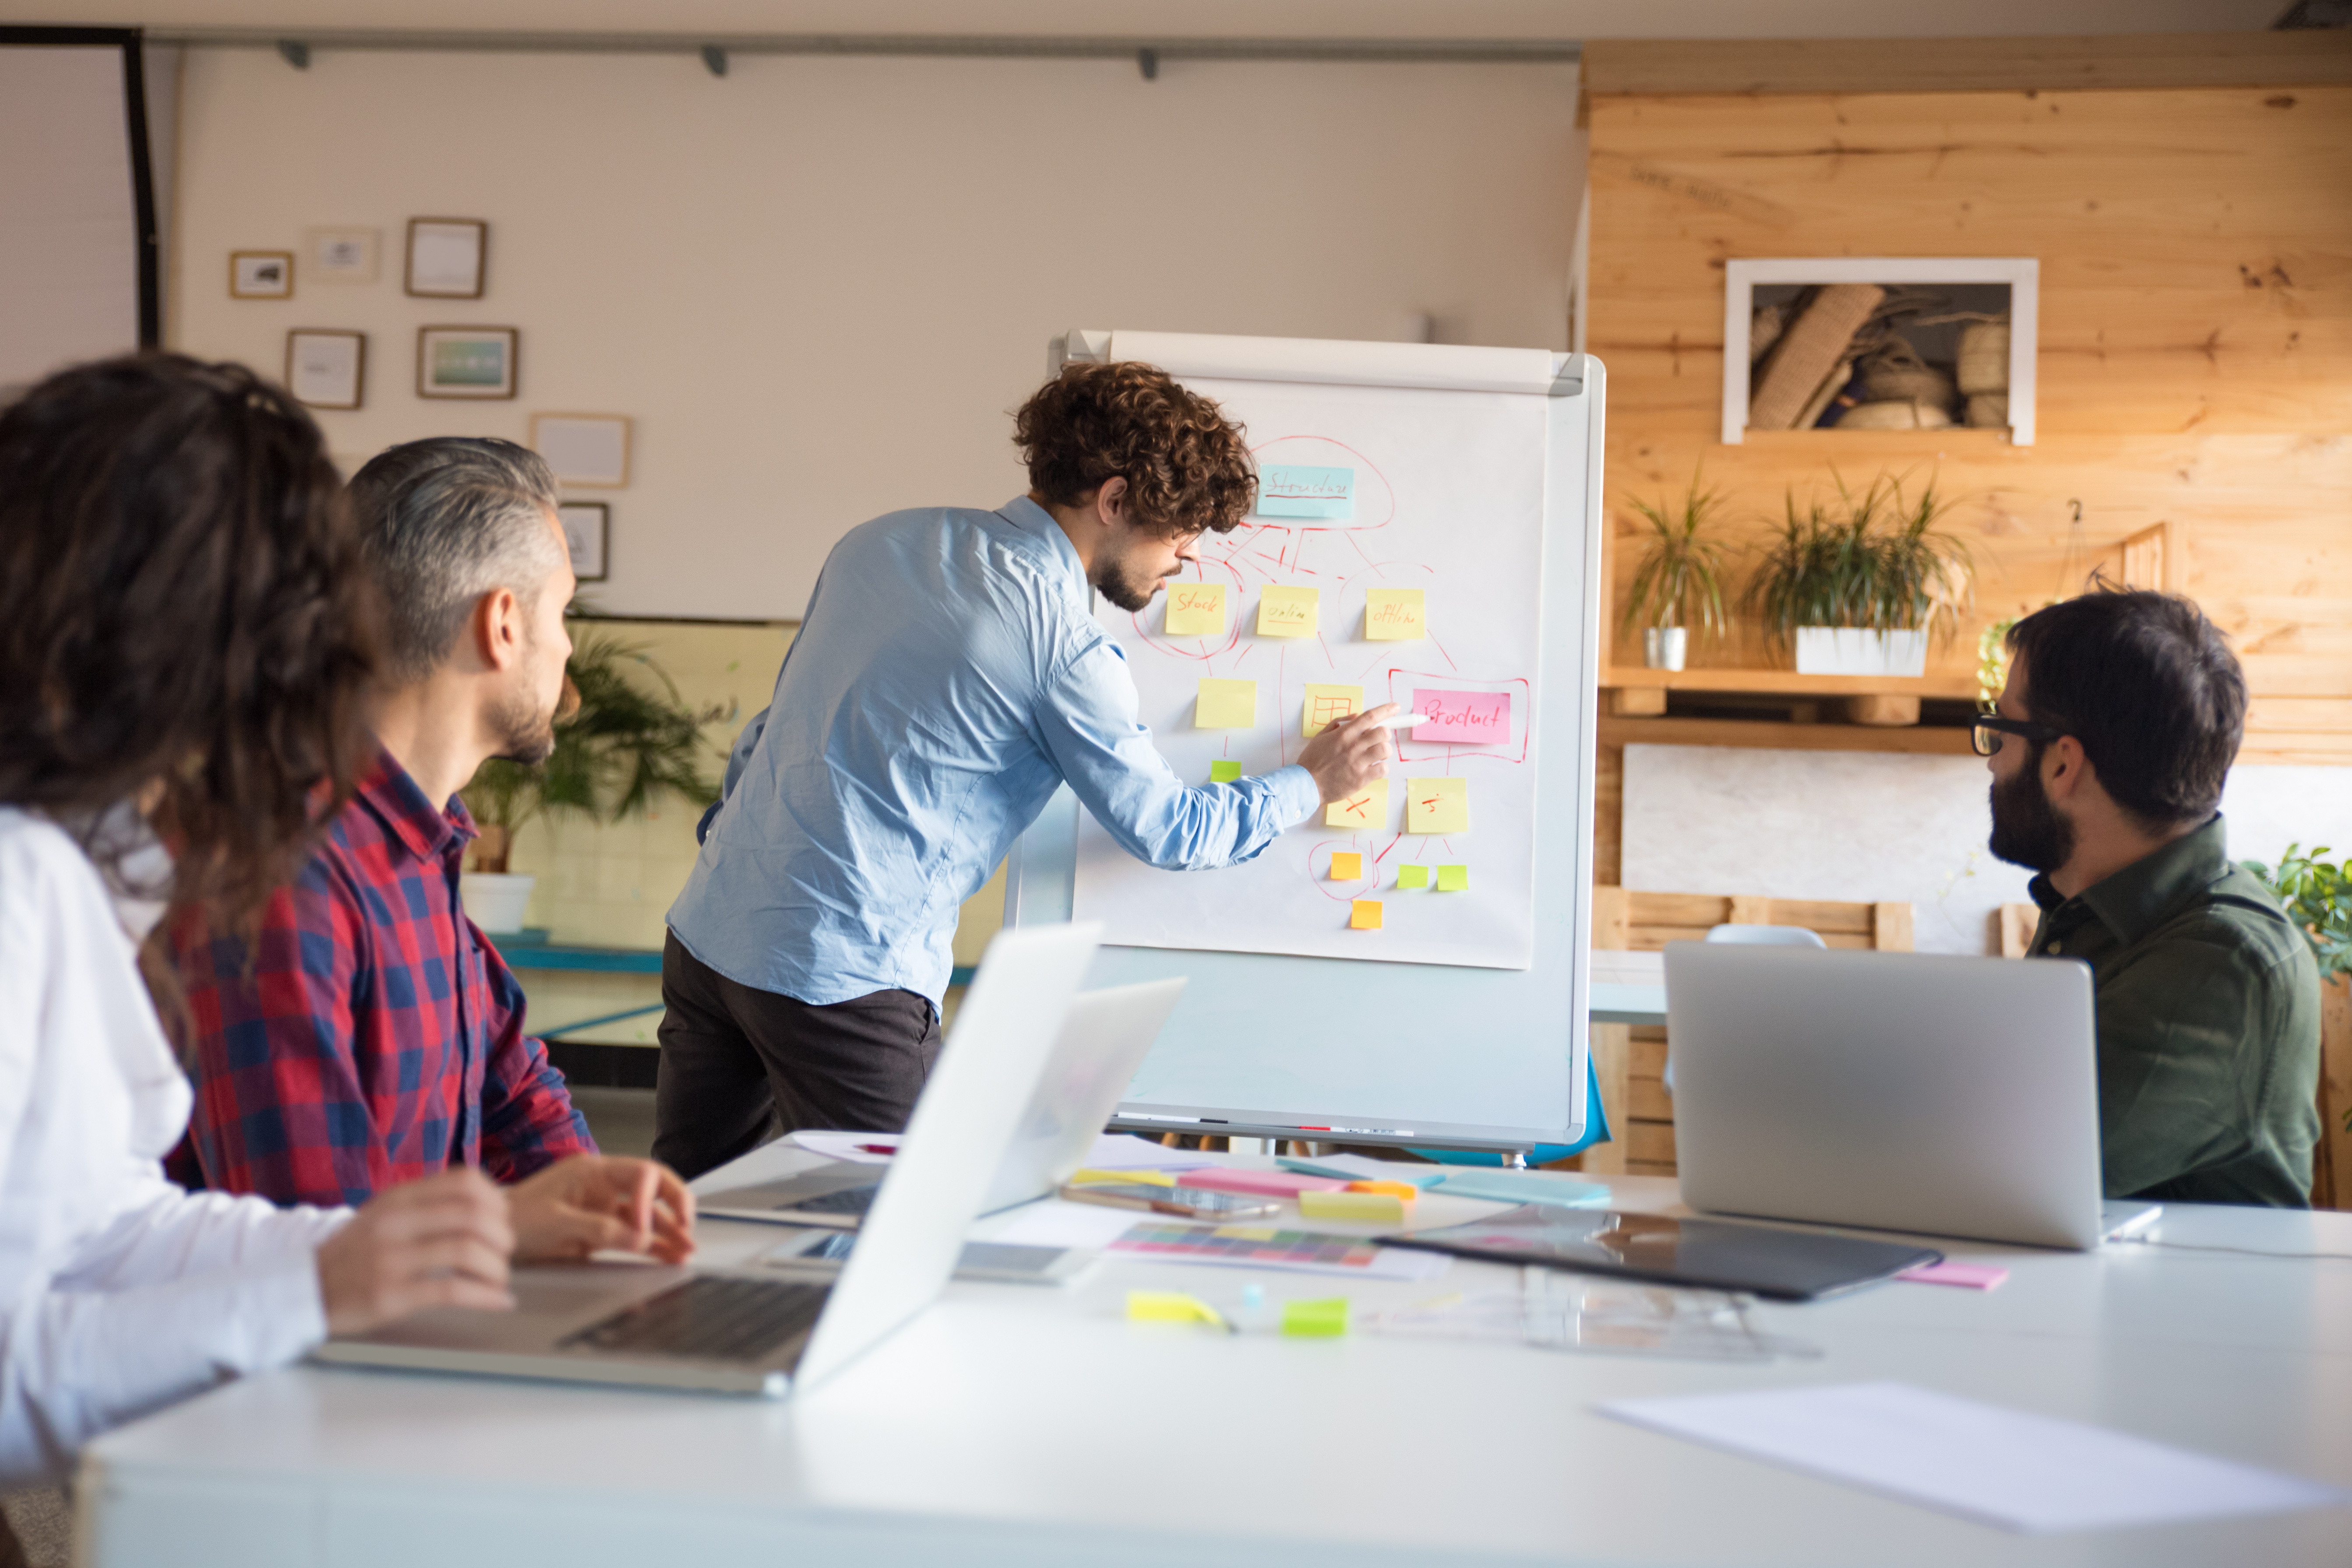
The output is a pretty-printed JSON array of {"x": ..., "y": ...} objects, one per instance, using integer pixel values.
[
  {"x": 1663, "y": 646},
  {"x": 494, "y": 901},
  {"x": 1844, "y": 650}
]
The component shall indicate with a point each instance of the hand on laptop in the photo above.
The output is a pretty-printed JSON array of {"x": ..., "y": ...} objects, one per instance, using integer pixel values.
[
  {"x": 593, "y": 1202},
  {"x": 441, "y": 1241}
]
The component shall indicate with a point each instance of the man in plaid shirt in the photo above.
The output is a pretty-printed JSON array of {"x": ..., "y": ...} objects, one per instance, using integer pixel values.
[{"x": 370, "y": 1034}]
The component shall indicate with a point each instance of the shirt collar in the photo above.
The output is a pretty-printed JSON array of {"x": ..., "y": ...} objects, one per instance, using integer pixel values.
[
  {"x": 1030, "y": 518},
  {"x": 2136, "y": 899},
  {"x": 407, "y": 814}
]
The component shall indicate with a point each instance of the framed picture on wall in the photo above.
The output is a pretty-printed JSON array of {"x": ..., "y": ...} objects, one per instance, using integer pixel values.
[
  {"x": 325, "y": 369},
  {"x": 342, "y": 255},
  {"x": 589, "y": 450},
  {"x": 466, "y": 362},
  {"x": 588, "y": 528},
  {"x": 261, "y": 274},
  {"x": 447, "y": 258}
]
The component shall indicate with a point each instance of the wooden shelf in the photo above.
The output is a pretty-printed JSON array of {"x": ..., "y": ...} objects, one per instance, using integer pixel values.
[{"x": 1789, "y": 683}]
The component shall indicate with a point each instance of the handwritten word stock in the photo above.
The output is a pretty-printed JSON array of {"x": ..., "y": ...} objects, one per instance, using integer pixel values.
[{"x": 1464, "y": 717}]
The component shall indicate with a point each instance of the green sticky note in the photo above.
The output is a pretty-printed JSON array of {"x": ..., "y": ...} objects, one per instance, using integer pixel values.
[
  {"x": 1324, "y": 1320},
  {"x": 1453, "y": 878},
  {"x": 1224, "y": 770},
  {"x": 1412, "y": 876}
]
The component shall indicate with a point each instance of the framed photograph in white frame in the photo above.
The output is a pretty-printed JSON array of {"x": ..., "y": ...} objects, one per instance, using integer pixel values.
[
  {"x": 261, "y": 274},
  {"x": 1740, "y": 278},
  {"x": 342, "y": 255},
  {"x": 448, "y": 258},
  {"x": 589, "y": 450},
  {"x": 326, "y": 369},
  {"x": 467, "y": 362},
  {"x": 588, "y": 529}
]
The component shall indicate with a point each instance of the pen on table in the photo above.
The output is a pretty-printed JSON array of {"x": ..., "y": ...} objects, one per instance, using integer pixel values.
[{"x": 875, "y": 1148}]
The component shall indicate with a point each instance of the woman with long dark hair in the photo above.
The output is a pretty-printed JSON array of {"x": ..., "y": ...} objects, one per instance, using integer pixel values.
[{"x": 184, "y": 638}]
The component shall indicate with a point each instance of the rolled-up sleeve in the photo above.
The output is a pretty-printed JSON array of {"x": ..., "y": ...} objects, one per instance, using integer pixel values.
[{"x": 1091, "y": 727}]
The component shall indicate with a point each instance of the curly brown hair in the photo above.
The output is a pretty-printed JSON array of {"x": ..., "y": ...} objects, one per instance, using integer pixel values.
[
  {"x": 1187, "y": 466},
  {"x": 185, "y": 624}
]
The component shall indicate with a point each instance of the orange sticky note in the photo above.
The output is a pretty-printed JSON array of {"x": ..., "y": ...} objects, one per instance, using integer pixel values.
[
  {"x": 1347, "y": 865},
  {"x": 1394, "y": 615},
  {"x": 1365, "y": 812},
  {"x": 1196, "y": 609},
  {"x": 1326, "y": 706},
  {"x": 1364, "y": 914},
  {"x": 1286, "y": 612},
  {"x": 1226, "y": 705},
  {"x": 1437, "y": 805}
]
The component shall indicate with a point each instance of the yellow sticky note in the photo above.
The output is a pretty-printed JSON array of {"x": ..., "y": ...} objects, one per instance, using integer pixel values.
[
  {"x": 1453, "y": 878},
  {"x": 1436, "y": 805},
  {"x": 1226, "y": 705},
  {"x": 1089, "y": 1177},
  {"x": 1286, "y": 612},
  {"x": 1172, "y": 1307},
  {"x": 1364, "y": 914},
  {"x": 1412, "y": 876},
  {"x": 1378, "y": 1208},
  {"x": 1196, "y": 609},
  {"x": 1365, "y": 813},
  {"x": 1394, "y": 615},
  {"x": 1347, "y": 865},
  {"x": 1326, "y": 706}
]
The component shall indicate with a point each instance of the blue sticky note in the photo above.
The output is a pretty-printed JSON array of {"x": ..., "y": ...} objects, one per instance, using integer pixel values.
[
  {"x": 1288, "y": 491},
  {"x": 1523, "y": 1187}
]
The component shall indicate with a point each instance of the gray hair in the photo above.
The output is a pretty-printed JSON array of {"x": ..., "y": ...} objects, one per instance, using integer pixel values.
[{"x": 445, "y": 521}]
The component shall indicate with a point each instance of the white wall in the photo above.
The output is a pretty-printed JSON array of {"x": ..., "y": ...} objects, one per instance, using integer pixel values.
[{"x": 819, "y": 285}]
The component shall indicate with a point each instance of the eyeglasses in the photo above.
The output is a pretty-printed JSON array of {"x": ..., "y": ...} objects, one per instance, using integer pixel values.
[{"x": 1986, "y": 737}]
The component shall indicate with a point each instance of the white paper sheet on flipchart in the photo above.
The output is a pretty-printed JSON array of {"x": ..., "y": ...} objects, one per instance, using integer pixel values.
[
  {"x": 1449, "y": 499},
  {"x": 1110, "y": 1151},
  {"x": 2034, "y": 1474}
]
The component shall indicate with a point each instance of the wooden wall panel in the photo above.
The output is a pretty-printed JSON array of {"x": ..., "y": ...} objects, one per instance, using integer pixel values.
[{"x": 2195, "y": 356}]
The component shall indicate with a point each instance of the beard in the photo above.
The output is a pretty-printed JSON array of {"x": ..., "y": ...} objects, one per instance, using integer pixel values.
[
  {"x": 1129, "y": 591},
  {"x": 2026, "y": 828},
  {"x": 526, "y": 730}
]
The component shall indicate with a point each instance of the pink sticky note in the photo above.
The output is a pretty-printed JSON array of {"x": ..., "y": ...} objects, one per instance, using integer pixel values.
[
  {"x": 1967, "y": 1276},
  {"x": 1464, "y": 717},
  {"x": 1261, "y": 1183}
]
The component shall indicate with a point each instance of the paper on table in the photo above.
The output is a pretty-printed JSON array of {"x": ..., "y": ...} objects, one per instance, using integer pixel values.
[
  {"x": 1412, "y": 876},
  {"x": 1366, "y": 812},
  {"x": 2035, "y": 1473},
  {"x": 1395, "y": 615},
  {"x": 1196, "y": 609},
  {"x": 855, "y": 1147},
  {"x": 1326, "y": 706},
  {"x": 1270, "y": 1247},
  {"x": 1967, "y": 1276},
  {"x": 1225, "y": 770},
  {"x": 1437, "y": 805},
  {"x": 1347, "y": 865},
  {"x": 1464, "y": 717},
  {"x": 1521, "y": 1187},
  {"x": 1125, "y": 1151},
  {"x": 1226, "y": 705},
  {"x": 1293, "y": 489},
  {"x": 1453, "y": 878},
  {"x": 1363, "y": 1168},
  {"x": 1284, "y": 612},
  {"x": 1058, "y": 1222}
]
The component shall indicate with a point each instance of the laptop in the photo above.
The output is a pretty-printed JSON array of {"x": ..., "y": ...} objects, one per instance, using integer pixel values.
[
  {"x": 1940, "y": 1096},
  {"x": 1104, "y": 1039},
  {"x": 746, "y": 1331}
]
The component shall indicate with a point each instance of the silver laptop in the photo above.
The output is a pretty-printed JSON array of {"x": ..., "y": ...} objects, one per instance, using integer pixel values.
[
  {"x": 1104, "y": 1039},
  {"x": 746, "y": 1331},
  {"x": 1942, "y": 1096}
]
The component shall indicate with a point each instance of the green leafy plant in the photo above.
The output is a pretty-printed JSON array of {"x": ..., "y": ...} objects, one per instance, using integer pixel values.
[
  {"x": 1680, "y": 579},
  {"x": 2318, "y": 898},
  {"x": 631, "y": 741},
  {"x": 1874, "y": 561},
  {"x": 1993, "y": 659}
]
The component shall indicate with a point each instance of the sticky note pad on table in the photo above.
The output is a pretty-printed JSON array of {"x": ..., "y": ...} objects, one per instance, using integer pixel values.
[
  {"x": 1404, "y": 1190},
  {"x": 1326, "y": 1320},
  {"x": 1453, "y": 878},
  {"x": 1364, "y": 915},
  {"x": 1412, "y": 876},
  {"x": 1371, "y": 1208},
  {"x": 1347, "y": 865},
  {"x": 1170, "y": 1307},
  {"x": 1395, "y": 615},
  {"x": 1286, "y": 612},
  {"x": 1225, "y": 770},
  {"x": 1226, "y": 705},
  {"x": 1464, "y": 717},
  {"x": 1291, "y": 489},
  {"x": 1326, "y": 706},
  {"x": 1363, "y": 812},
  {"x": 1437, "y": 805},
  {"x": 1196, "y": 609},
  {"x": 1967, "y": 1276}
]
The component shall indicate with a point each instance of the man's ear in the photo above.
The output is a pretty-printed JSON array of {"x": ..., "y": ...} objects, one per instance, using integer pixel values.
[
  {"x": 2064, "y": 768},
  {"x": 498, "y": 631},
  {"x": 1110, "y": 500}
]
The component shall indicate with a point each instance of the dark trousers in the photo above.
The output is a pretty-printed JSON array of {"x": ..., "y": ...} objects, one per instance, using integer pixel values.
[{"x": 739, "y": 1064}]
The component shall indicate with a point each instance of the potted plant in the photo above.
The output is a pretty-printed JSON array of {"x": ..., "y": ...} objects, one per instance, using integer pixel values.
[
  {"x": 2318, "y": 898},
  {"x": 1859, "y": 591},
  {"x": 626, "y": 740},
  {"x": 1680, "y": 581}
]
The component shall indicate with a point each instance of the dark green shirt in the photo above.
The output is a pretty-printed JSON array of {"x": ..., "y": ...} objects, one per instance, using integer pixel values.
[{"x": 2209, "y": 1026}]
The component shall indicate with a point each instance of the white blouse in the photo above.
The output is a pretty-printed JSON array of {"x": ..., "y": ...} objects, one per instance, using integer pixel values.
[{"x": 119, "y": 1292}]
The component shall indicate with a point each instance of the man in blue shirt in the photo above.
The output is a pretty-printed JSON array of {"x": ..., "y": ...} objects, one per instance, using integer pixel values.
[{"x": 948, "y": 676}]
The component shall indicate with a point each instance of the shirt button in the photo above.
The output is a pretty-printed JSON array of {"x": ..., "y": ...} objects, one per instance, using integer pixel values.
[{"x": 2053, "y": 947}]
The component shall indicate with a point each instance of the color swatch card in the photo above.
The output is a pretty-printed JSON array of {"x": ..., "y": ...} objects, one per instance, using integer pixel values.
[
  {"x": 1436, "y": 805},
  {"x": 1326, "y": 706},
  {"x": 1290, "y": 490},
  {"x": 1226, "y": 705},
  {"x": 1196, "y": 609},
  {"x": 1286, "y": 612},
  {"x": 1264, "y": 1246},
  {"x": 1395, "y": 615},
  {"x": 1365, "y": 813},
  {"x": 1464, "y": 717}
]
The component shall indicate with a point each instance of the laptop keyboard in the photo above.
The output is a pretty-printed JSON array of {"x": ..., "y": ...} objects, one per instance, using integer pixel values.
[
  {"x": 849, "y": 1200},
  {"x": 709, "y": 1317}
]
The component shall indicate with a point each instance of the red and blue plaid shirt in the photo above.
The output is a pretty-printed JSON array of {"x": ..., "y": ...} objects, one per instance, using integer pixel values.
[{"x": 372, "y": 1033}]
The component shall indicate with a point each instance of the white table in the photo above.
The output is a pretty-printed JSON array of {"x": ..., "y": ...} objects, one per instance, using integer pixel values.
[{"x": 1036, "y": 1426}]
